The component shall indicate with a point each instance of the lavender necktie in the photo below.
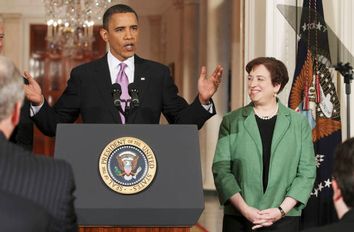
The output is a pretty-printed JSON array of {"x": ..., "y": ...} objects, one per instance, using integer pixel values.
[{"x": 122, "y": 79}]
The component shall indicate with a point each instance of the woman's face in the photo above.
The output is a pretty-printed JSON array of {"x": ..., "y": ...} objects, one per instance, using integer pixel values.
[{"x": 260, "y": 87}]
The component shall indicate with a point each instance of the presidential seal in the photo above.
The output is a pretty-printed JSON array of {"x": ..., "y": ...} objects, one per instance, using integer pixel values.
[{"x": 127, "y": 165}]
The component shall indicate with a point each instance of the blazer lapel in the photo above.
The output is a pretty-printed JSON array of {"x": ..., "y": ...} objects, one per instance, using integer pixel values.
[
  {"x": 252, "y": 128},
  {"x": 103, "y": 82},
  {"x": 281, "y": 126}
]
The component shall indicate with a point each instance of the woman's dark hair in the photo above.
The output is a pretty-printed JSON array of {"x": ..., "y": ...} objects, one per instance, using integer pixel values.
[
  {"x": 277, "y": 69},
  {"x": 119, "y": 8}
]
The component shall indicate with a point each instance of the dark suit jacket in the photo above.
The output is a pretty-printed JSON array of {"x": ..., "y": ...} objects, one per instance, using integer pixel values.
[
  {"x": 23, "y": 132},
  {"x": 89, "y": 93},
  {"x": 18, "y": 214},
  {"x": 343, "y": 225},
  {"x": 45, "y": 181}
]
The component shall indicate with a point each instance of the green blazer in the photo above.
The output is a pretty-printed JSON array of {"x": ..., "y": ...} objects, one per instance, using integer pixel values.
[{"x": 238, "y": 165}]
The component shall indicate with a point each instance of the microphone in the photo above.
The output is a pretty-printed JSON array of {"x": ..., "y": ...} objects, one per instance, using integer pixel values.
[
  {"x": 116, "y": 92},
  {"x": 134, "y": 94}
]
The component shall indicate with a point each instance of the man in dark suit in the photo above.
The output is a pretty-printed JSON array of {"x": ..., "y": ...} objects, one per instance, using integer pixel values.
[
  {"x": 23, "y": 132},
  {"x": 46, "y": 182},
  {"x": 18, "y": 214},
  {"x": 89, "y": 89},
  {"x": 343, "y": 189}
]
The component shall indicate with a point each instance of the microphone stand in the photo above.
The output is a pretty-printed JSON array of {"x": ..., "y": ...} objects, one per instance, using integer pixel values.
[
  {"x": 129, "y": 106},
  {"x": 347, "y": 72}
]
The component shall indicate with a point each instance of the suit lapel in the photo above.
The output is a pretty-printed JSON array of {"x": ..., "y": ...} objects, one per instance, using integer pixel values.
[
  {"x": 281, "y": 126},
  {"x": 252, "y": 128},
  {"x": 141, "y": 76},
  {"x": 103, "y": 81},
  {"x": 141, "y": 80}
]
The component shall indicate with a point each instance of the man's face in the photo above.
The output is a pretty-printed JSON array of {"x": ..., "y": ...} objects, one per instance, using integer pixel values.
[
  {"x": 122, "y": 35},
  {"x": 2, "y": 35}
]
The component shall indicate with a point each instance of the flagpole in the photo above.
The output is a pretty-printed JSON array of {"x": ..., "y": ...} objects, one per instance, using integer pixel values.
[
  {"x": 347, "y": 72},
  {"x": 348, "y": 112}
]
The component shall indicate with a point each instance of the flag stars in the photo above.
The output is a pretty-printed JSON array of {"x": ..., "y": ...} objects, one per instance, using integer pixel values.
[
  {"x": 320, "y": 187},
  {"x": 318, "y": 26},
  {"x": 311, "y": 26},
  {"x": 328, "y": 183},
  {"x": 315, "y": 192},
  {"x": 319, "y": 158}
]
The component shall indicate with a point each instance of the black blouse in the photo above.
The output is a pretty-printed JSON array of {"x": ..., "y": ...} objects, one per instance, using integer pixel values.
[{"x": 266, "y": 129}]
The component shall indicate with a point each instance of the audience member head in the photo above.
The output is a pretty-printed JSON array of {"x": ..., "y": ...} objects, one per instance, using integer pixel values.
[
  {"x": 343, "y": 172},
  {"x": 2, "y": 34},
  {"x": 11, "y": 95},
  {"x": 277, "y": 69}
]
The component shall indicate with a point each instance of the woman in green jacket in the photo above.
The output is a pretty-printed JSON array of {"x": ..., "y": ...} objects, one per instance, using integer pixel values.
[{"x": 264, "y": 163}]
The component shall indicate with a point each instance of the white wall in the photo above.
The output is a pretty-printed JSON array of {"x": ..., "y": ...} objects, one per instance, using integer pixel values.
[{"x": 269, "y": 34}]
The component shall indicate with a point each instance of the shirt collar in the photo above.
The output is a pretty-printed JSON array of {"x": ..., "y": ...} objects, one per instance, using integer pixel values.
[{"x": 113, "y": 62}]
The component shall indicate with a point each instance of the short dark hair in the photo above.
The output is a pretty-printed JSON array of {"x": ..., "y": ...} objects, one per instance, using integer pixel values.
[
  {"x": 343, "y": 170},
  {"x": 119, "y": 8},
  {"x": 277, "y": 69}
]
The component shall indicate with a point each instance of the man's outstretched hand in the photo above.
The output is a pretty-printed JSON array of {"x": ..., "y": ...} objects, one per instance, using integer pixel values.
[
  {"x": 33, "y": 91},
  {"x": 207, "y": 86}
]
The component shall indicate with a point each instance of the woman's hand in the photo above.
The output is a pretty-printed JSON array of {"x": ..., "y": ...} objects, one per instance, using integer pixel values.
[
  {"x": 252, "y": 214},
  {"x": 267, "y": 218}
]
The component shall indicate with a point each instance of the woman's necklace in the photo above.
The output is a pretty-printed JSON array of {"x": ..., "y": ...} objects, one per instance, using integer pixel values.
[{"x": 267, "y": 117}]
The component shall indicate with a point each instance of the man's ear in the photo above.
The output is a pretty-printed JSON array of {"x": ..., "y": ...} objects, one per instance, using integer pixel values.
[
  {"x": 104, "y": 34},
  {"x": 337, "y": 194},
  {"x": 15, "y": 118}
]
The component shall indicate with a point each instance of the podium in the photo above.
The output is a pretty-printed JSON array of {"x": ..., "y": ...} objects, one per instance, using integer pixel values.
[{"x": 173, "y": 201}]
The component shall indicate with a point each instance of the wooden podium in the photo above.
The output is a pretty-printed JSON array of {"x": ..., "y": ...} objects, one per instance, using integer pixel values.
[
  {"x": 172, "y": 202},
  {"x": 134, "y": 229}
]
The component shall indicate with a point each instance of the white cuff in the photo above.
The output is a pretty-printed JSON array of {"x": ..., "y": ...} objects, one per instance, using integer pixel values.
[
  {"x": 209, "y": 107},
  {"x": 35, "y": 109}
]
